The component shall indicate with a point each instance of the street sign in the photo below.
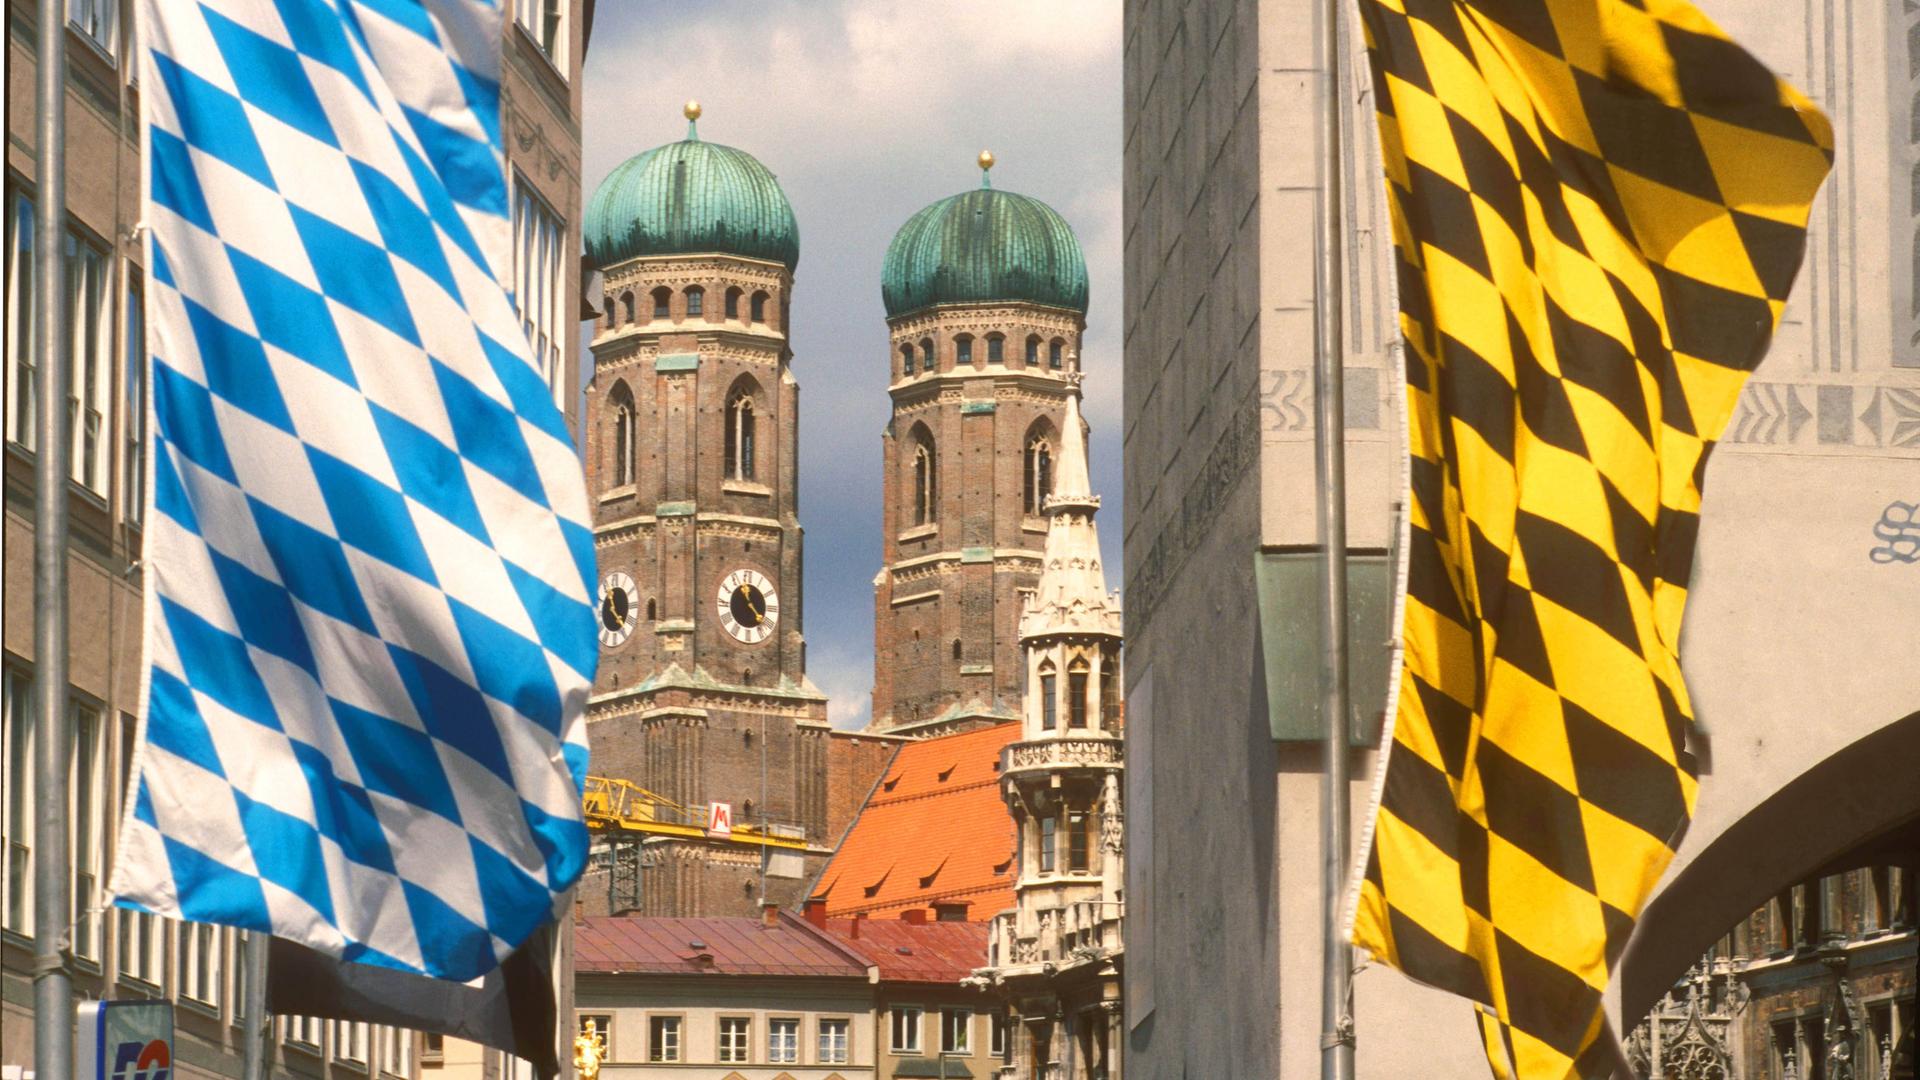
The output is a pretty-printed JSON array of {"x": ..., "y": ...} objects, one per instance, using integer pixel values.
[
  {"x": 719, "y": 819},
  {"x": 126, "y": 1040}
]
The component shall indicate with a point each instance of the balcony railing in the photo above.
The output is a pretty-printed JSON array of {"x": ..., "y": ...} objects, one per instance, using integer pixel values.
[{"x": 1103, "y": 752}]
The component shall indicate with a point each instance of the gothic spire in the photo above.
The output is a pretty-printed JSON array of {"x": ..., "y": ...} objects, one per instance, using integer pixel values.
[{"x": 1072, "y": 594}]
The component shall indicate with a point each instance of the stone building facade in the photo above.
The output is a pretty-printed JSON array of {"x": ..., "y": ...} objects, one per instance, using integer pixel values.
[
  {"x": 125, "y": 955},
  {"x": 986, "y": 295},
  {"x": 1817, "y": 985},
  {"x": 1056, "y": 957},
  {"x": 692, "y": 445}
]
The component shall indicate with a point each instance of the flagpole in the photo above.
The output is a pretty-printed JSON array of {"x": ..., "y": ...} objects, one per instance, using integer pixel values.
[
  {"x": 52, "y": 984},
  {"x": 1330, "y": 471},
  {"x": 253, "y": 1058}
]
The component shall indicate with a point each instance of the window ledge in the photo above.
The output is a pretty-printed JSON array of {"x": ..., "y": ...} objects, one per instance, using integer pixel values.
[
  {"x": 920, "y": 532},
  {"x": 540, "y": 50},
  {"x": 624, "y": 491},
  {"x": 746, "y": 487}
]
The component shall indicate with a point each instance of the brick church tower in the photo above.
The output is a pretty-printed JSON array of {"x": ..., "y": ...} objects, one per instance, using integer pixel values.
[
  {"x": 986, "y": 298},
  {"x": 692, "y": 443}
]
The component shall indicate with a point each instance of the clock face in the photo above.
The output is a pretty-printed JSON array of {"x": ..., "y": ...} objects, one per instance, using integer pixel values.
[
  {"x": 749, "y": 608},
  {"x": 618, "y": 614}
]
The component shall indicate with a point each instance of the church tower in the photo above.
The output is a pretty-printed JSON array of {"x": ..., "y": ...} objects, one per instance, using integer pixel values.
[
  {"x": 692, "y": 441},
  {"x": 986, "y": 298},
  {"x": 1059, "y": 953}
]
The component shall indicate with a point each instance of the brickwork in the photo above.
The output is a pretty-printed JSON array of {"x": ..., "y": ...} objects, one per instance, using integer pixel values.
[
  {"x": 680, "y": 706},
  {"x": 948, "y": 600},
  {"x": 856, "y": 761}
]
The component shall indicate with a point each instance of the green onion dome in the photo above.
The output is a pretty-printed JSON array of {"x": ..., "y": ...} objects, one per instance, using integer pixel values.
[
  {"x": 982, "y": 246},
  {"x": 691, "y": 197}
]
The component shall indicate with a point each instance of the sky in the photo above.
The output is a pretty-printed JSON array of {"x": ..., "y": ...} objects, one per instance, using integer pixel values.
[{"x": 867, "y": 111}]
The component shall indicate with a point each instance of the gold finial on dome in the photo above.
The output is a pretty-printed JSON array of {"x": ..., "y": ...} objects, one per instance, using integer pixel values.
[
  {"x": 691, "y": 110},
  {"x": 986, "y": 159}
]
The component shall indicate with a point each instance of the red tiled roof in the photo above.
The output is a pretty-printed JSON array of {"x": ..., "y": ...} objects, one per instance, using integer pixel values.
[
  {"x": 934, "y": 831},
  {"x": 739, "y": 946},
  {"x": 933, "y": 952}
]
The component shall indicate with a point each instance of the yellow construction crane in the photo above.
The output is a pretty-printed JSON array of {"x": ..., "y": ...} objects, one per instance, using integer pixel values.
[{"x": 615, "y": 806}]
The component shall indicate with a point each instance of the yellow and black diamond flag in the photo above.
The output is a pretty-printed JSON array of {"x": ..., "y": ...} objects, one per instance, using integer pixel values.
[{"x": 1599, "y": 207}]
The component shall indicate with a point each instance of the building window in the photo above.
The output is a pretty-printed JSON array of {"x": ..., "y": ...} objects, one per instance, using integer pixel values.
[
  {"x": 757, "y": 309},
  {"x": 1077, "y": 693},
  {"x": 545, "y": 22},
  {"x": 199, "y": 956},
  {"x": 996, "y": 349},
  {"x": 1048, "y": 717},
  {"x": 735, "y": 1035},
  {"x": 1048, "y": 826},
  {"x": 1054, "y": 349},
  {"x": 962, "y": 350},
  {"x": 833, "y": 1042},
  {"x": 906, "y": 1029},
  {"x": 17, "y": 745},
  {"x": 22, "y": 321},
  {"x": 623, "y": 417},
  {"x": 663, "y": 1038},
  {"x": 1109, "y": 692},
  {"x": 1038, "y": 473},
  {"x": 733, "y": 303},
  {"x": 926, "y": 355},
  {"x": 539, "y": 282},
  {"x": 396, "y": 1052},
  {"x": 925, "y": 497},
  {"x": 997, "y": 1025},
  {"x": 662, "y": 302},
  {"x": 956, "y": 1031},
  {"x": 90, "y": 352},
  {"x": 696, "y": 301},
  {"x": 626, "y": 306},
  {"x": 1033, "y": 350},
  {"x": 301, "y": 1030},
  {"x": 783, "y": 1040},
  {"x": 350, "y": 1041},
  {"x": 1079, "y": 837},
  {"x": 134, "y": 382},
  {"x": 906, "y": 359},
  {"x": 600, "y": 1024},
  {"x": 98, "y": 20},
  {"x": 86, "y": 787},
  {"x": 740, "y": 437}
]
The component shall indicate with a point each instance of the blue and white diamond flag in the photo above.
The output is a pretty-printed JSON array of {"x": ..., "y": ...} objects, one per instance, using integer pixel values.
[{"x": 370, "y": 629}]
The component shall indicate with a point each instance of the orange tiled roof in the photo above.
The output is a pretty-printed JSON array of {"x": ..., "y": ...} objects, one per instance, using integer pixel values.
[{"x": 934, "y": 831}]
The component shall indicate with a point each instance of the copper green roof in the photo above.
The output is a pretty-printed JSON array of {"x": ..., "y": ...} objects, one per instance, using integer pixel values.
[
  {"x": 691, "y": 197},
  {"x": 980, "y": 246}
]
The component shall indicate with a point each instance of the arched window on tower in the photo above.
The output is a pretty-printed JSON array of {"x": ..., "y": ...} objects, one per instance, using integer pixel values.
[
  {"x": 906, "y": 359},
  {"x": 757, "y": 310},
  {"x": 926, "y": 355},
  {"x": 1033, "y": 350},
  {"x": 926, "y": 507},
  {"x": 996, "y": 349},
  {"x": 963, "y": 350},
  {"x": 1047, "y": 703},
  {"x": 626, "y": 306},
  {"x": 621, "y": 400},
  {"x": 1038, "y": 473},
  {"x": 733, "y": 302},
  {"x": 1109, "y": 691},
  {"x": 696, "y": 301},
  {"x": 1055, "y": 349},
  {"x": 1077, "y": 693},
  {"x": 740, "y": 437},
  {"x": 662, "y": 299}
]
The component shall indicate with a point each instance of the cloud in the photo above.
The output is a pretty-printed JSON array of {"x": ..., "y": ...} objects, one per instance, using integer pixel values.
[{"x": 868, "y": 111}]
